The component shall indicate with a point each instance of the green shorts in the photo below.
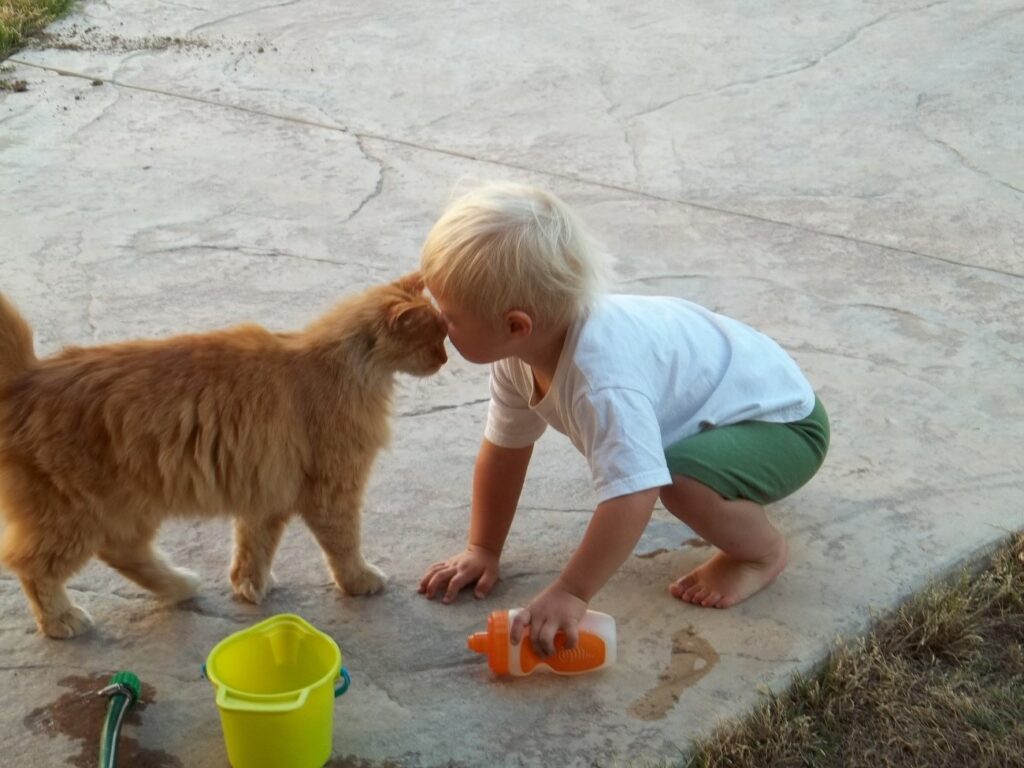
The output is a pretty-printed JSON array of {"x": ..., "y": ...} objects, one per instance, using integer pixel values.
[{"x": 756, "y": 460}]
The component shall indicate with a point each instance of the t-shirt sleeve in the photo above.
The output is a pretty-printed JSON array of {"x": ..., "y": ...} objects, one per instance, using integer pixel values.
[
  {"x": 621, "y": 439},
  {"x": 510, "y": 422}
]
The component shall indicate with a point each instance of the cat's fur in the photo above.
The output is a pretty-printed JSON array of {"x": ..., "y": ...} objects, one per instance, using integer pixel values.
[{"x": 99, "y": 445}]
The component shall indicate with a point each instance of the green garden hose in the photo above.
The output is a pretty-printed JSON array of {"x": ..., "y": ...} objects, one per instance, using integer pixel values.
[{"x": 123, "y": 692}]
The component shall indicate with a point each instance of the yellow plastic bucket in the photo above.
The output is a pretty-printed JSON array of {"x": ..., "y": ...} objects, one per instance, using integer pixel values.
[{"x": 276, "y": 683}]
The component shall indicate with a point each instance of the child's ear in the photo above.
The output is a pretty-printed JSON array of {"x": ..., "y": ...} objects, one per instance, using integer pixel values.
[{"x": 518, "y": 324}]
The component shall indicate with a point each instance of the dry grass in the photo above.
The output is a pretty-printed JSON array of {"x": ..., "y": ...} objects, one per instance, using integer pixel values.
[
  {"x": 939, "y": 683},
  {"x": 19, "y": 19}
]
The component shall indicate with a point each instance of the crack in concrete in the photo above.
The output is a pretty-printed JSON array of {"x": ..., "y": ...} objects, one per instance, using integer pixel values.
[
  {"x": 248, "y": 251},
  {"x": 90, "y": 317},
  {"x": 106, "y": 108},
  {"x": 943, "y": 326},
  {"x": 437, "y": 408},
  {"x": 380, "y": 179},
  {"x": 671, "y": 276},
  {"x": 850, "y": 38},
  {"x": 246, "y": 12},
  {"x": 575, "y": 178},
  {"x": 970, "y": 166},
  {"x": 192, "y": 606},
  {"x": 602, "y": 85},
  {"x": 528, "y": 575},
  {"x": 169, "y": 4},
  {"x": 638, "y": 175},
  {"x": 762, "y": 659},
  {"x": 896, "y": 310},
  {"x": 855, "y": 509},
  {"x": 441, "y": 119},
  {"x": 1002, "y": 15},
  {"x": 816, "y": 350}
]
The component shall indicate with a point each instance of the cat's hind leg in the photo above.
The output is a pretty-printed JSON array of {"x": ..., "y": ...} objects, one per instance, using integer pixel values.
[
  {"x": 44, "y": 561},
  {"x": 256, "y": 541},
  {"x": 139, "y": 560}
]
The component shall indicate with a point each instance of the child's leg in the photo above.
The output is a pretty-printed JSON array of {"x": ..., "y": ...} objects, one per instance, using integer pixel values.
[
  {"x": 721, "y": 479},
  {"x": 752, "y": 553}
]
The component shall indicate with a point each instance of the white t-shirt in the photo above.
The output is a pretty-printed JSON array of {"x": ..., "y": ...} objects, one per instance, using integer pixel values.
[{"x": 640, "y": 373}]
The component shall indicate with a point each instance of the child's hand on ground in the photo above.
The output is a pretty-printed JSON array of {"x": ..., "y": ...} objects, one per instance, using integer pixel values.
[
  {"x": 475, "y": 564},
  {"x": 553, "y": 610}
]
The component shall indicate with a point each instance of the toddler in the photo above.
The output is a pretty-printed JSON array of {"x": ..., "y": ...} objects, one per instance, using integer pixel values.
[{"x": 665, "y": 399}]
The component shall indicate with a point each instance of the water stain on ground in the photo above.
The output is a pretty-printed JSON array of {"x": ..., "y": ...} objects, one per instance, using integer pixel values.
[
  {"x": 692, "y": 658},
  {"x": 653, "y": 553},
  {"x": 695, "y": 542},
  {"x": 79, "y": 714}
]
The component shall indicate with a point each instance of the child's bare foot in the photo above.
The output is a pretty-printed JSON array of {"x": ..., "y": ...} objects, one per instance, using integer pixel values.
[{"x": 723, "y": 581}]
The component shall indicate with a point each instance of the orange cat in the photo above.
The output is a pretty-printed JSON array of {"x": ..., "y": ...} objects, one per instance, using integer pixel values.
[{"x": 98, "y": 446}]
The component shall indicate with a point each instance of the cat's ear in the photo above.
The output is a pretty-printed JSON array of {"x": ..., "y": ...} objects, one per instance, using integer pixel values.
[
  {"x": 411, "y": 283},
  {"x": 395, "y": 312}
]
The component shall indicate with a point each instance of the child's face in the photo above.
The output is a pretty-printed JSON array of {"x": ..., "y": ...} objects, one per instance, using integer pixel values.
[{"x": 475, "y": 338}]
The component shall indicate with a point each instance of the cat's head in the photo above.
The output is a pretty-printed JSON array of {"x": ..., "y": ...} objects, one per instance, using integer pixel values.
[{"x": 410, "y": 337}]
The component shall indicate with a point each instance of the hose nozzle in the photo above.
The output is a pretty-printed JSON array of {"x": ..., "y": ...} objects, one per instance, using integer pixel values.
[{"x": 122, "y": 692}]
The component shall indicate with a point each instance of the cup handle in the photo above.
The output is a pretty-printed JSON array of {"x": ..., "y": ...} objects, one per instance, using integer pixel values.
[{"x": 341, "y": 685}]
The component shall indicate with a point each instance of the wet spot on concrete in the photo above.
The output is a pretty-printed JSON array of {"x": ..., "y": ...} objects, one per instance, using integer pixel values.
[
  {"x": 78, "y": 714},
  {"x": 692, "y": 658},
  {"x": 653, "y": 553},
  {"x": 695, "y": 542}
]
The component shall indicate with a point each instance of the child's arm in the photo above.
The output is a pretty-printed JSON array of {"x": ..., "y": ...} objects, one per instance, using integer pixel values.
[
  {"x": 497, "y": 482},
  {"x": 610, "y": 538}
]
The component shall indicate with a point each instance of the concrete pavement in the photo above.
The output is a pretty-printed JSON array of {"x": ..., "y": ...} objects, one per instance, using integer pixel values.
[{"x": 847, "y": 177}]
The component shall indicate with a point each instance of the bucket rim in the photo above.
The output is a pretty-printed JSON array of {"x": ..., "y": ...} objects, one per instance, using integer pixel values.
[{"x": 230, "y": 697}]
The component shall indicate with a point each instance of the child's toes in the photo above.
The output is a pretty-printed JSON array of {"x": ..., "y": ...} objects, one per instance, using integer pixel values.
[
  {"x": 690, "y": 594},
  {"x": 700, "y": 596},
  {"x": 679, "y": 586},
  {"x": 711, "y": 599}
]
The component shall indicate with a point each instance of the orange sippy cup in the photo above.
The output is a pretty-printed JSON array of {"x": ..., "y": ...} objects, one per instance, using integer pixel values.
[{"x": 595, "y": 649}]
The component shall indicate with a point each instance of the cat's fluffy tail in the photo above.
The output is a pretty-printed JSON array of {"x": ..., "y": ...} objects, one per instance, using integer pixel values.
[{"x": 16, "y": 352}]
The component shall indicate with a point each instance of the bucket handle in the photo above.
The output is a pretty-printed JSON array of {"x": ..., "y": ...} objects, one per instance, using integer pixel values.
[
  {"x": 341, "y": 685},
  {"x": 343, "y": 682}
]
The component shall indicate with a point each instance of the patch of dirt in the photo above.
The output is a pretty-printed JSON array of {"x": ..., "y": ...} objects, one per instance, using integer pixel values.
[
  {"x": 79, "y": 715},
  {"x": 75, "y": 38}
]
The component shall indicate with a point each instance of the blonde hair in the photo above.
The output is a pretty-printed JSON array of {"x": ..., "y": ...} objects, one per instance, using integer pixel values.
[{"x": 511, "y": 246}]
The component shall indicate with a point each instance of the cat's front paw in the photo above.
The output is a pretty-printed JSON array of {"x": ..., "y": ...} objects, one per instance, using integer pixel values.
[
  {"x": 368, "y": 581},
  {"x": 249, "y": 589},
  {"x": 73, "y": 622}
]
